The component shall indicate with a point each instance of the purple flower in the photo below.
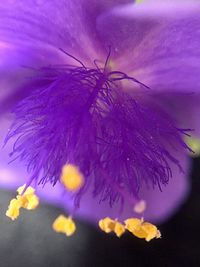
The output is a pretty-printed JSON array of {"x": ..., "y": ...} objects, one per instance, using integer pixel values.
[{"x": 108, "y": 86}]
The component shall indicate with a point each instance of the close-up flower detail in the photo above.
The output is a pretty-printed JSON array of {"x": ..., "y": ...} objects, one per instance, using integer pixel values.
[
  {"x": 93, "y": 117},
  {"x": 25, "y": 199},
  {"x": 64, "y": 225}
]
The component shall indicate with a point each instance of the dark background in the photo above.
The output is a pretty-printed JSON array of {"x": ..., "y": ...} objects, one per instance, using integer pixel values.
[{"x": 30, "y": 241}]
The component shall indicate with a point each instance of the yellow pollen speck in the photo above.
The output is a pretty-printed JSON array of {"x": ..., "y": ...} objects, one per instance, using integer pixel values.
[
  {"x": 64, "y": 225},
  {"x": 119, "y": 229},
  {"x": 142, "y": 229},
  {"x": 13, "y": 209},
  {"x": 140, "y": 206},
  {"x": 29, "y": 190},
  {"x": 71, "y": 177},
  {"x": 28, "y": 200},
  {"x": 108, "y": 225}
]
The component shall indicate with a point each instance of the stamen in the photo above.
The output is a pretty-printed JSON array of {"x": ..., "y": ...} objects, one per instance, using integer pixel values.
[
  {"x": 71, "y": 177},
  {"x": 13, "y": 209},
  {"x": 108, "y": 225},
  {"x": 142, "y": 229},
  {"x": 119, "y": 229},
  {"x": 25, "y": 199},
  {"x": 64, "y": 225}
]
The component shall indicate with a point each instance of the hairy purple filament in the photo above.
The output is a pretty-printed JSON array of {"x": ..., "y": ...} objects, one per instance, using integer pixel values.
[{"x": 82, "y": 116}]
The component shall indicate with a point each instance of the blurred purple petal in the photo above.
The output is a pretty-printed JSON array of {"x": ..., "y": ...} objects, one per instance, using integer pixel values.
[
  {"x": 69, "y": 25},
  {"x": 183, "y": 107},
  {"x": 16, "y": 66},
  {"x": 54, "y": 23},
  {"x": 160, "y": 39},
  {"x": 162, "y": 204}
]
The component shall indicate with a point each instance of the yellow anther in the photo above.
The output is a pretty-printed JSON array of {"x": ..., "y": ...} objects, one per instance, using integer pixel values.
[
  {"x": 140, "y": 206},
  {"x": 142, "y": 229},
  {"x": 28, "y": 200},
  {"x": 13, "y": 209},
  {"x": 107, "y": 225},
  {"x": 71, "y": 177},
  {"x": 133, "y": 224},
  {"x": 29, "y": 190},
  {"x": 64, "y": 225},
  {"x": 119, "y": 229}
]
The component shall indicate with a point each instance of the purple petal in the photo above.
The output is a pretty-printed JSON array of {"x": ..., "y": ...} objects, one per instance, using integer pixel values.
[
  {"x": 183, "y": 107},
  {"x": 69, "y": 25},
  {"x": 52, "y": 23},
  {"x": 161, "y": 205},
  {"x": 160, "y": 44},
  {"x": 32, "y": 32},
  {"x": 16, "y": 67}
]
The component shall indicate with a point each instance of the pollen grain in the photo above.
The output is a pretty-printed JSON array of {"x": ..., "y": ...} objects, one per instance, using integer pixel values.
[
  {"x": 25, "y": 199},
  {"x": 13, "y": 210},
  {"x": 142, "y": 229},
  {"x": 28, "y": 199},
  {"x": 108, "y": 225},
  {"x": 64, "y": 225},
  {"x": 71, "y": 177}
]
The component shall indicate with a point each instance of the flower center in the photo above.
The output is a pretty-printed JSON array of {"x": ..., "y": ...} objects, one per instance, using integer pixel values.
[{"x": 82, "y": 116}]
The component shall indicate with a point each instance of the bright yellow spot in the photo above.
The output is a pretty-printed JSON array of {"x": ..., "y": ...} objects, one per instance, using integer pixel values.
[
  {"x": 140, "y": 206},
  {"x": 30, "y": 190},
  {"x": 27, "y": 201},
  {"x": 108, "y": 225},
  {"x": 71, "y": 177},
  {"x": 64, "y": 225},
  {"x": 194, "y": 144},
  {"x": 13, "y": 209},
  {"x": 142, "y": 229},
  {"x": 139, "y": 1},
  {"x": 119, "y": 229}
]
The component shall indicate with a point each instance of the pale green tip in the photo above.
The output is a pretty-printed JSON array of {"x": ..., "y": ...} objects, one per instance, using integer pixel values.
[
  {"x": 194, "y": 144},
  {"x": 139, "y": 1}
]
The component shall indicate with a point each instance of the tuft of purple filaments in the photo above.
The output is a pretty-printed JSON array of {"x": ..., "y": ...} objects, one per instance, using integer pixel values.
[{"x": 82, "y": 116}]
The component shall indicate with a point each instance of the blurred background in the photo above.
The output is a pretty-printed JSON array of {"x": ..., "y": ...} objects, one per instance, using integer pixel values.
[{"x": 30, "y": 240}]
